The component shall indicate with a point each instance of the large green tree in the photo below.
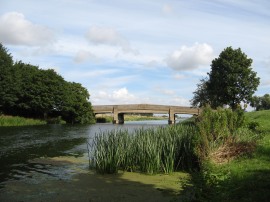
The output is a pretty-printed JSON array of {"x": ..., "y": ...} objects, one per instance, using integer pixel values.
[
  {"x": 26, "y": 90},
  {"x": 231, "y": 79},
  {"x": 76, "y": 106},
  {"x": 6, "y": 78}
]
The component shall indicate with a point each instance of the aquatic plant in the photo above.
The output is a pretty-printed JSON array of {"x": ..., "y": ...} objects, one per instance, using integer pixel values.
[{"x": 150, "y": 151}]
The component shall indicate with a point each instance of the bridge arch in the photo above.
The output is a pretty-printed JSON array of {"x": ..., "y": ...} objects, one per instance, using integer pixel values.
[{"x": 118, "y": 111}]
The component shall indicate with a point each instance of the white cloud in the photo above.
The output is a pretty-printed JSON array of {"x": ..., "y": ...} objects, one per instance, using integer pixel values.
[
  {"x": 109, "y": 36},
  {"x": 189, "y": 58},
  {"x": 123, "y": 96},
  {"x": 17, "y": 30},
  {"x": 83, "y": 55},
  {"x": 167, "y": 9},
  {"x": 120, "y": 96}
]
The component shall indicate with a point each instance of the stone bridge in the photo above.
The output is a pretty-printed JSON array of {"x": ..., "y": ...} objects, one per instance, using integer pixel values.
[{"x": 118, "y": 111}]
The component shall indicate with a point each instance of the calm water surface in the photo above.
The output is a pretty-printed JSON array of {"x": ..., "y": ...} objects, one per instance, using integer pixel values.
[{"x": 20, "y": 147}]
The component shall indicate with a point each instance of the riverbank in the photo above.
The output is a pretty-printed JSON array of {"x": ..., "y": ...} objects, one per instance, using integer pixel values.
[
  {"x": 246, "y": 178},
  {"x": 19, "y": 121}
]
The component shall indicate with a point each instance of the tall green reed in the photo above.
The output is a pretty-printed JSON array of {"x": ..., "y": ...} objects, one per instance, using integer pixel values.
[{"x": 150, "y": 151}]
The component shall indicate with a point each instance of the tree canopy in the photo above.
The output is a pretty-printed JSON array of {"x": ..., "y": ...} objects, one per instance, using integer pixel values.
[
  {"x": 261, "y": 102},
  {"x": 231, "y": 81},
  {"x": 28, "y": 91}
]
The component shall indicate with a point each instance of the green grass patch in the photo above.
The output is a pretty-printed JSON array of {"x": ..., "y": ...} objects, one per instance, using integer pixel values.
[
  {"x": 19, "y": 121},
  {"x": 246, "y": 178}
]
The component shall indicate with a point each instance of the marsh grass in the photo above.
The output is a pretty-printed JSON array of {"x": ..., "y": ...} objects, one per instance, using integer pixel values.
[
  {"x": 19, "y": 121},
  {"x": 150, "y": 151}
]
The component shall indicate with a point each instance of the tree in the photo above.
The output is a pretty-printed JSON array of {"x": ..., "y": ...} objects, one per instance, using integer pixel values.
[
  {"x": 26, "y": 90},
  {"x": 261, "y": 103},
  {"x": 201, "y": 97},
  {"x": 6, "y": 77},
  {"x": 76, "y": 107},
  {"x": 231, "y": 79}
]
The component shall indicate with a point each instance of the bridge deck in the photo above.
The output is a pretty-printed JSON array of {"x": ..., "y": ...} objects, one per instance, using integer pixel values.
[
  {"x": 144, "y": 108},
  {"x": 119, "y": 110}
]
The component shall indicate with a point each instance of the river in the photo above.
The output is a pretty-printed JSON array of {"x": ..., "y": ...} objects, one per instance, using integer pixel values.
[
  {"x": 24, "y": 152},
  {"x": 20, "y": 145}
]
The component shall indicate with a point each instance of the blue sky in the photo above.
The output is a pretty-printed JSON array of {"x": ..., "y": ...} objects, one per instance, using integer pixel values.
[{"x": 136, "y": 51}]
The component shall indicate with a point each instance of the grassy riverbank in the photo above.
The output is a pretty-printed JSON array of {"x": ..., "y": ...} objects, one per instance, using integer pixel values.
[
  {"x": 231, "y": 154},
  {"x": 245, "y": 178},
  {"x": 19, "y": 121}
]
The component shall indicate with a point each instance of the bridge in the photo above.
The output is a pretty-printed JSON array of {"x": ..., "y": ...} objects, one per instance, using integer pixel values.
[{"x": 118, "y": 111}]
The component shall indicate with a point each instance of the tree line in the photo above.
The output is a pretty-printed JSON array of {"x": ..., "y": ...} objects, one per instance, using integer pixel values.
[{"x": 28, "y": 91}]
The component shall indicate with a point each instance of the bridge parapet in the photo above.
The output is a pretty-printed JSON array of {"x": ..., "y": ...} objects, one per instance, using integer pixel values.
[{"x": 118, "y": 111}]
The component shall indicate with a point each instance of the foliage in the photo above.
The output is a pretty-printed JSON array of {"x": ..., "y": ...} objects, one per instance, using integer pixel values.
[
  {"x": 243, "y": 179},
  {"x": 76, "y": 108},
  {"x": 261, "y": 103},
  {"x": 150, "y": 151},
  {"x": 217, "y": 127},
  {"x": 18, "y": 121},
  {"x": 201, "y": 97},
  {"x": 231, "y": 81},
  {"x": 28, "y": 91}
]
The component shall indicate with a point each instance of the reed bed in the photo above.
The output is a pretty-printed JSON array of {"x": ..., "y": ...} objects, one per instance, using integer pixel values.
[
  {"x": 150, "y": 151},
  {"x": 19, "y": 121}
]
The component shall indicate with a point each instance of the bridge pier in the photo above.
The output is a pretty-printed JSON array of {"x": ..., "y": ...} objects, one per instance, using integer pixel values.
[
  {"x": 171, "y": 117},
  {"x": 118, "y": 118}
]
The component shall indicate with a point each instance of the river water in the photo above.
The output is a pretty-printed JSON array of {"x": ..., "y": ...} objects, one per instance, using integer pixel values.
[{"x": 21, "y": 147}]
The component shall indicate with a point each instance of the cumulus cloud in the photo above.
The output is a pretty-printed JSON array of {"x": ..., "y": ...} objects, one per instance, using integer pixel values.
[
  {"x": 108, "y": 36},
  {"x": 190, "y": 58},
  {"x": 17, "y": 30},
  {"x": 120, "y": 96},
  {"x": 83, "y": 56}
]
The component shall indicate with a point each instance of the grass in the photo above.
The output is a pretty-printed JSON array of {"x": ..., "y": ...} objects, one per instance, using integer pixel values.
[
  {"x": 19, "y": 121},
  {"x": 246, "y": 178}
]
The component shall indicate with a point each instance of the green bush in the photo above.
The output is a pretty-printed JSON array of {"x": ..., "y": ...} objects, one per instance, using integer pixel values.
[{"x": 216, "y": 127}]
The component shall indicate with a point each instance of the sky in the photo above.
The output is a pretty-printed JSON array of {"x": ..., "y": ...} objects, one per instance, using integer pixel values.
[{"x": 136, "y": 51}]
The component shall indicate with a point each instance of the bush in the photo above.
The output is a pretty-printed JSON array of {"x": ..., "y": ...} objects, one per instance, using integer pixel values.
[{"x": 216, "y": 127}]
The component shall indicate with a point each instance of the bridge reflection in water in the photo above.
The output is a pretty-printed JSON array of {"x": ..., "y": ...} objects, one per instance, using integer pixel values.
[{"x": 118, "y": 111}]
